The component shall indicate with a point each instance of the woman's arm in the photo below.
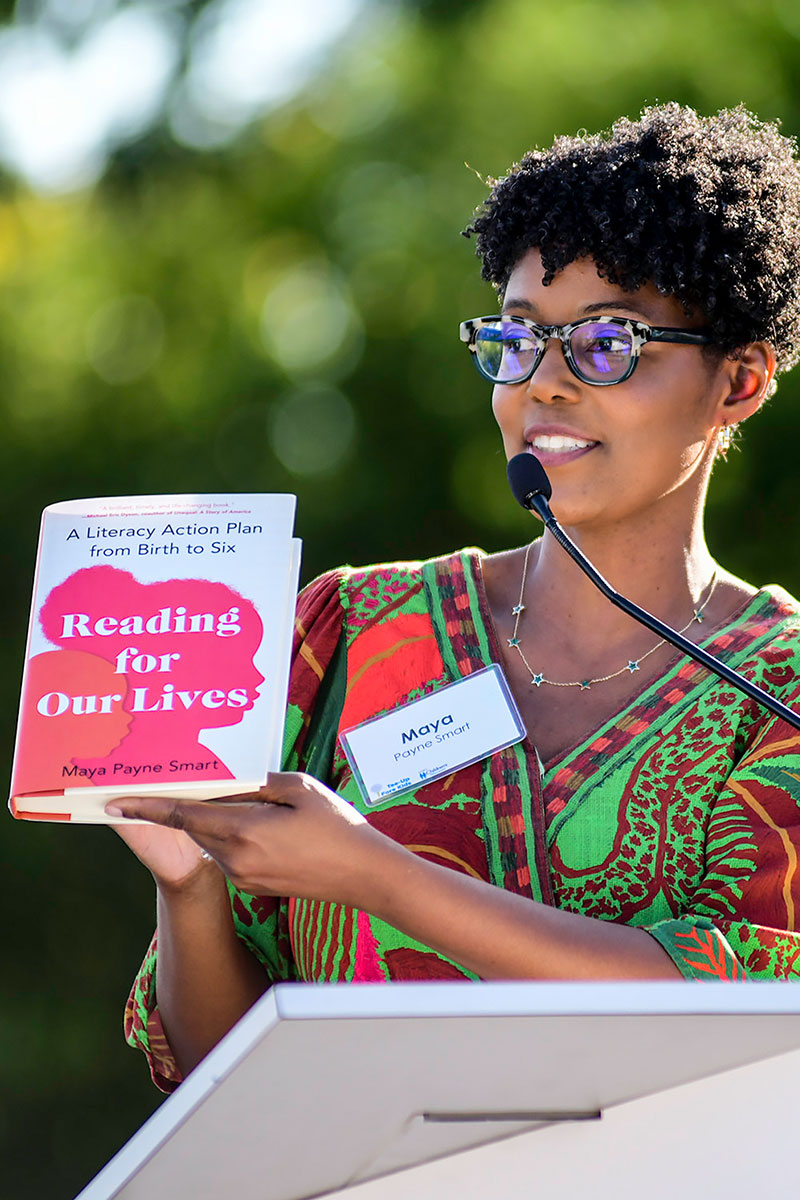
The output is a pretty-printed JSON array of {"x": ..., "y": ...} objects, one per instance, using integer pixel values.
[
  {"x": 206, "y": 979},
  {"x": 499, "y": 935},
  {"x": 298, "y": 838}
]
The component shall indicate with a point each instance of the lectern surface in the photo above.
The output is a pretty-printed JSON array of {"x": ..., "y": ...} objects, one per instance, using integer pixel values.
[{"x": 322, "y": 1086}]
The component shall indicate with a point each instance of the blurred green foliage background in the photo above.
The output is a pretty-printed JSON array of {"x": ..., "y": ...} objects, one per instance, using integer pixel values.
[{"x": 279, "y": 311}]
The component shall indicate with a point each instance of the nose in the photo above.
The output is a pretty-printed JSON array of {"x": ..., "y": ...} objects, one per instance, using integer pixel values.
[{"x": 553, "y": 382}]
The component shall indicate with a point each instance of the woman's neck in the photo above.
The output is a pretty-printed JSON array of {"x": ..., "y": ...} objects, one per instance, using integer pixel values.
[{"x": 666, "y": 571}]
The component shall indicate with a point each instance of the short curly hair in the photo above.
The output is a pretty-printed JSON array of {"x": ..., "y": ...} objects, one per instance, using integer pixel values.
[{"x": 705, "y": 208}]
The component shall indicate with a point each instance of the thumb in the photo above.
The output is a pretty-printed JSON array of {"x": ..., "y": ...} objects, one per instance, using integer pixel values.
[{"x": 282, "y": 788}]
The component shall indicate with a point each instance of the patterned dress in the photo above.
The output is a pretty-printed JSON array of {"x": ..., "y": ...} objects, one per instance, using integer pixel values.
[{"x": 680, "y": 815}]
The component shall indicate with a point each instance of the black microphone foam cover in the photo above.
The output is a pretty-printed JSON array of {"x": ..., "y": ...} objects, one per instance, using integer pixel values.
[{"x": 527, "y": 477}]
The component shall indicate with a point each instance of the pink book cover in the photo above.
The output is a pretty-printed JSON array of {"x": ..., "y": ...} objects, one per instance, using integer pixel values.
[{"x": 158, "y": 650}]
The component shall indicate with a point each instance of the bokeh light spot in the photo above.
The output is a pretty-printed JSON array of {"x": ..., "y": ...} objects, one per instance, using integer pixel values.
[
  {"x": 312, "y": 430},
  {"x": 379, "y": 206},
  {"x": 309, "y": 322},
  {"x": 125, "y": 338}
]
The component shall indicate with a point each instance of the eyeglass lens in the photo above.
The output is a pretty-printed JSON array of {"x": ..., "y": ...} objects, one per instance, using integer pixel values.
[{"x": 601, "y": 351}]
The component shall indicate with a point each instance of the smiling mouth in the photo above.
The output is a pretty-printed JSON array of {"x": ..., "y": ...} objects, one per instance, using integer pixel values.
[{"x": 558, "y": 443}]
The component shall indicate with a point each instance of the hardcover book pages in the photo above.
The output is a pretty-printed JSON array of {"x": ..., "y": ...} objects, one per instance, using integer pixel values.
[{"x": 158, "y": 651}]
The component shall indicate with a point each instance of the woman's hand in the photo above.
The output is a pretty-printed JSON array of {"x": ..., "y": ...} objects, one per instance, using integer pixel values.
[
  {"x": 295, "y": 837},
  {"x": 171, "y": 857}
]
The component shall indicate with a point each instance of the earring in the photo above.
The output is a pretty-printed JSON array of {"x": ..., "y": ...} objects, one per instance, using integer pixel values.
[{"x": 725, "y": 439}]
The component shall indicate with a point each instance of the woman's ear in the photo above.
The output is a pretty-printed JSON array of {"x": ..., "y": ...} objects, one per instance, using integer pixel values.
[{"x": 750, "y": 376}]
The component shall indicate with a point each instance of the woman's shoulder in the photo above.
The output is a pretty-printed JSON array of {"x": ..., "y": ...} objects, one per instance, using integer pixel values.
[
  {"x": 770, "y": 602},
  {"x": 780, "y": 612},
  {"x": 784, "y": 603},
  {"x": 741, "y": 610},
  {"x": 766, "y": 628}
]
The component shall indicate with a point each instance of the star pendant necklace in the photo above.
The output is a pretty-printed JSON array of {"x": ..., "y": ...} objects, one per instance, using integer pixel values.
[{"x": 632, "y": 665}]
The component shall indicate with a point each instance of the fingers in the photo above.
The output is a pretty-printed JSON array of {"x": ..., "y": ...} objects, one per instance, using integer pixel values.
[
  {"x": 282, "y": 787},
  {"x": 201, "y": 819},
  {"x": 275, "y": 791},
  {"x": 164, "y": 811}
]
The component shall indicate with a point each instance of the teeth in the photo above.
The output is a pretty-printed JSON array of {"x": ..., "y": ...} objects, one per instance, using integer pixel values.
[{"x": 556, "y": 441}]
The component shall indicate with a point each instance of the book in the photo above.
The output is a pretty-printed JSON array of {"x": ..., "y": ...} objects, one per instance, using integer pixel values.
[{"x": 158, "y": 651}]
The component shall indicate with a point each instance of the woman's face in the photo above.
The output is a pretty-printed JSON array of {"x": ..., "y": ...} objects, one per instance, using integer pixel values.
[{"x": 611, "y": 452}]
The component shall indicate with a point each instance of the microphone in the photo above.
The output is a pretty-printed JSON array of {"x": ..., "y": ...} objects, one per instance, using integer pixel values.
[{"x": 532, "y": 489}]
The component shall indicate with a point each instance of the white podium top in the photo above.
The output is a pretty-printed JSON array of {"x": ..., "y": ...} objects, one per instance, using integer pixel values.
[{"x": 323, "y": 1086}]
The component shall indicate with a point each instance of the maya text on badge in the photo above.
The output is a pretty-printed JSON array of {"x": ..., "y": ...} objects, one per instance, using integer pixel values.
[{"x": 430, "y": 735}]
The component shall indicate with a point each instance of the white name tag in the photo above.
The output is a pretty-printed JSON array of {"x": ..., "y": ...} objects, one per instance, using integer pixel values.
[{"x": 455, "y": 726}]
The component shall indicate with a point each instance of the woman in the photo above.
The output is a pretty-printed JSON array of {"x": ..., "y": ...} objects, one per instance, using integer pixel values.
[{"x": 647, "y": 828}]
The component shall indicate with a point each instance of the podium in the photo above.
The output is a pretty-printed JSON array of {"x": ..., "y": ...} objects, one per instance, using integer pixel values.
[{"x": 377, "y": 1091}]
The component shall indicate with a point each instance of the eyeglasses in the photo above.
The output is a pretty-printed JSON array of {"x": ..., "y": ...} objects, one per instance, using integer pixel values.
[{"x": 598, "y": 350}]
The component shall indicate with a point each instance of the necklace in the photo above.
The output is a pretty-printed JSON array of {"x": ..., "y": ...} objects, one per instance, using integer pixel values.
[{"x": 632, "y": 665}]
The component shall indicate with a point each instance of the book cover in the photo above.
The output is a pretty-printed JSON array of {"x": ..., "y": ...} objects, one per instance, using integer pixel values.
[{"x": 158, "y": 651}]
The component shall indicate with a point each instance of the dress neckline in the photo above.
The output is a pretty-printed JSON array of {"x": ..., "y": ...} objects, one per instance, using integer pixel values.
[{"x": 770, "y": 598}]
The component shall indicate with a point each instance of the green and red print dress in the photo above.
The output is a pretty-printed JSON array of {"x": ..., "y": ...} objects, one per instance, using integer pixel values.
[{"x": 680, "y": 815}]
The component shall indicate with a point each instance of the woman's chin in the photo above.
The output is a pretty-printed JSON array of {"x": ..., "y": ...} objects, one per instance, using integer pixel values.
[{"x": 576, "y": 512}]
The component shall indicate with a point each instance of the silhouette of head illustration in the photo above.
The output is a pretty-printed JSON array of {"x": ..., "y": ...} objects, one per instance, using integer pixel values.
[{"x": 54, "y": 731}]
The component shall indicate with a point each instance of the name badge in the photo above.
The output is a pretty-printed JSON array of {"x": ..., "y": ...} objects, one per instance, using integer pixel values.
[{"x": 453, "y": 727}]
